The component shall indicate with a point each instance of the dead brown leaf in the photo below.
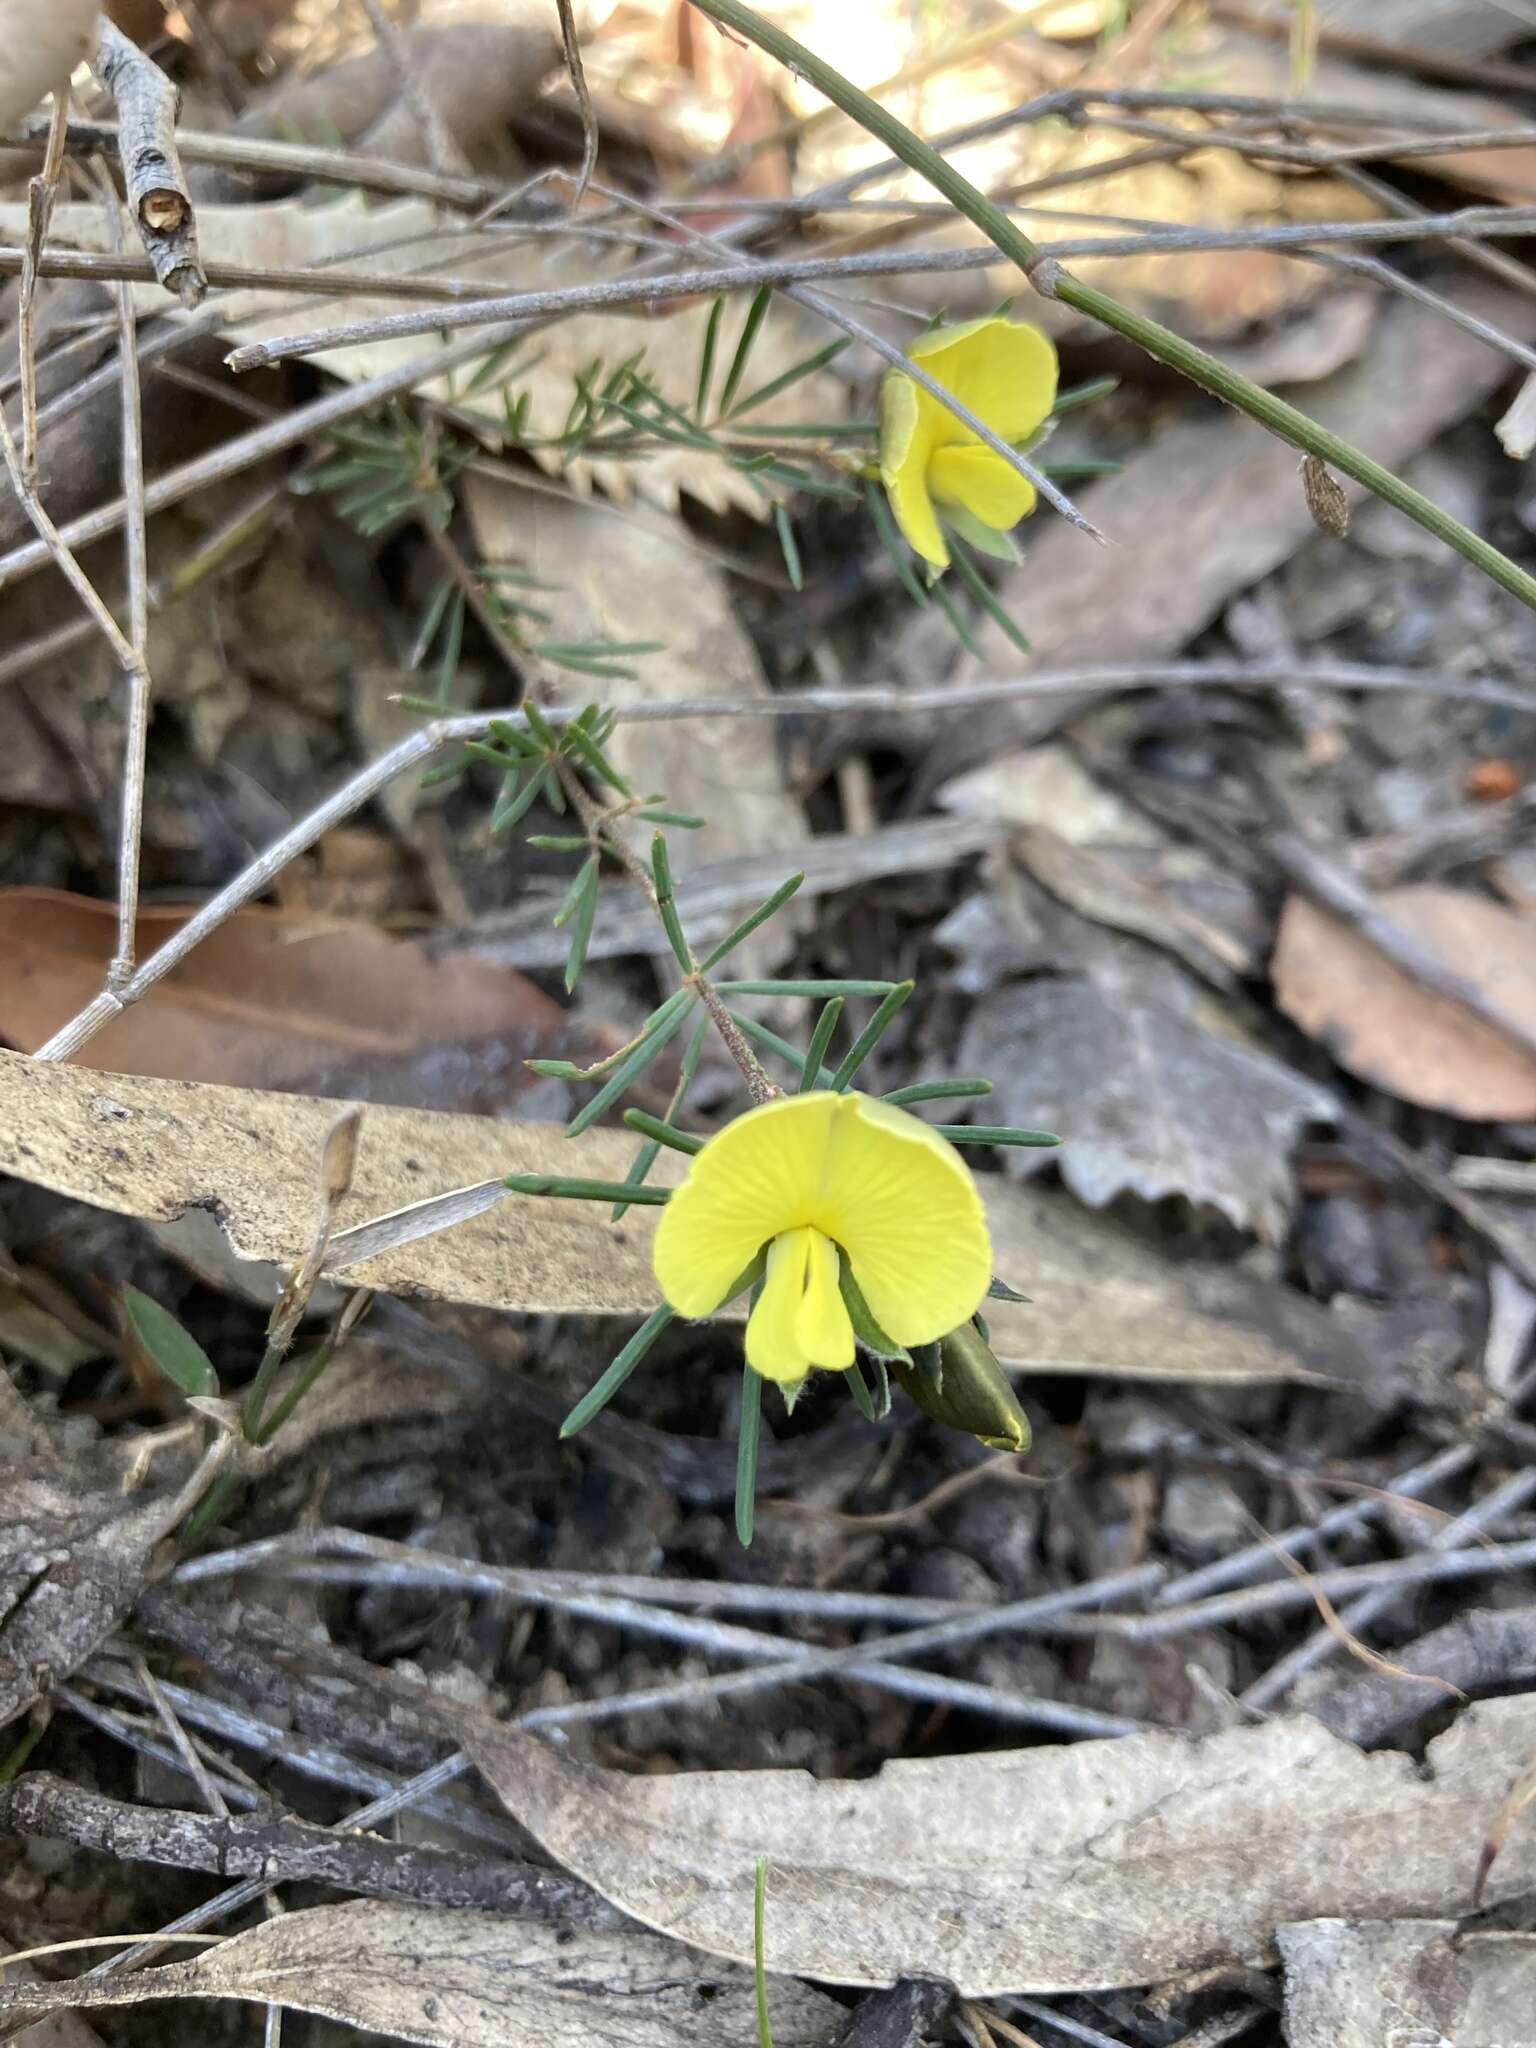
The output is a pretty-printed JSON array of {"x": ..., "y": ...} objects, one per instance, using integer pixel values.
[
  {"x": 270, "y": 999},
  {"x": 1101, "y": 1301},
  {"x": 1066, "y": 1868},
  {"x": 468, "y": 1980},
  {"x": 1381, "y": 1025}
]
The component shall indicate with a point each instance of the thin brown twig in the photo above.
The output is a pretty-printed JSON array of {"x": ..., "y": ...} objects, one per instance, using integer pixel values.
[
  {"x": 578, "y": 75},
  {"x": 40, "y": 197}
]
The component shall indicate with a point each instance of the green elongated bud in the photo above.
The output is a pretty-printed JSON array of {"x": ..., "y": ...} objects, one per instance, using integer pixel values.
[{"x": 971, "y": 1391}]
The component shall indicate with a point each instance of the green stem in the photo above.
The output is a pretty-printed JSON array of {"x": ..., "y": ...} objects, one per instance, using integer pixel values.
[{"x": 1158, "y": 341}]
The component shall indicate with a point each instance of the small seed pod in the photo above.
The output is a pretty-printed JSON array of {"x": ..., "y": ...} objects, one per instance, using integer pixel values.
[{"x": 1325, "y": 497}]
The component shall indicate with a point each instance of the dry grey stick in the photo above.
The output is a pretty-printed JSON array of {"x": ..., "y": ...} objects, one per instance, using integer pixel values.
[
  {"x": 441, "y": 147},
  {"x": 1450, "y": 1540},
  {"x": 146, "y": 144},
  {"x": 280, "y": 1851},
  {"x": 136, "y": 562},
  {"x": 577, "y": 70},
  {"x": 40, "y": 194},
  {"x": 744, "y": 274}
]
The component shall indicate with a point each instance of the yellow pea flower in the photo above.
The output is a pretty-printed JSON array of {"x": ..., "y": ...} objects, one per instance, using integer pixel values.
[
  {"x": 810, "y": 1176},
  {"x": 1006, "y": 373}
]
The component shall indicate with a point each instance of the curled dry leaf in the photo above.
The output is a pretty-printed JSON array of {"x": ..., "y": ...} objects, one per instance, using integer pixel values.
[
  {"x": 272, "y": 999},
  {"x": 1354, "y": 1983},
  {"x": 1050, "y": 1869},
  {"x": 1381, "y": 1025},
  {"x": 468, "y": 1980},
  {"x": 1100, "y": 1301}
]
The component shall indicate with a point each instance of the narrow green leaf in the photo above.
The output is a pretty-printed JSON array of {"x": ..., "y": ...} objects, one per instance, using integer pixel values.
[
  {"x": 431, "y": 619},
  {"x": 994, "y": 1134},
  {"x": 572, "y": 896},
  {"x": 789, "y": 547},
  {"x": 514, "y": 802},
  {"x": 452, "y": 648},
  {"x": 757, "y": 312},
  {"x": 962, "y": 631},
  {"x": 558, "y": 842},
  {"x": 174, "y": 1350},
  {"x": 581, "y": 927},
  {"x": 540, "y": 727},
  {"x": 671, "y": 924},
  {"x": 597, "y": 1397},
  {"x": 582, "y": 742},
  {"x": 986, "y": 597},
  {"x": 707, "y": 357},
  {"x": 812, "y": 1073},
  {"x": 664, "y": 1133},
  {"x": 748, "y": 1433},
  {"x": 932, "y": 1091},
  {"x": 770, "y": 1041},
  {"x": 785, "y": 378},
  {"x": 871, "y": 1035},
  {"x": 685, "y": 821},
  {"x": 750, "y": 923},
  {"x": 999, "y": 1290},
  {"x": 628, "y": 1070},
  {"x": 1083, "y": 394},
  {"x": 864, "y": 1401},
  {"x": 568, "y": 1189},
  {"x": 688, "y": 1066},
  {"x": 759, "y": 1967}
]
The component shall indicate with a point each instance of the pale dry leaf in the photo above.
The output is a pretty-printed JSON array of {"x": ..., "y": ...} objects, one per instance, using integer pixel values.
[
  {"x": 272, "y": 999},
  {"x": 1101, "y": 1302},
  {"x": 1068, "y": 1868},
  {"x": 41, "y": 42},
  {"x": 1405, "y": 1984},
  {"x": 1382, "y": 1025},
  {"x": 410, "y": 235},
  {"x": 1151, "y": 1102},
  {"x": 617, "y": 577},
  {"x": 468, "y": 1980}
]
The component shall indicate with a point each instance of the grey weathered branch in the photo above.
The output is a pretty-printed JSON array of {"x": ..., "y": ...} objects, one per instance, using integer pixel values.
[
  {"x": 146, "y": 141},
  {"x": 263, "y": 1845}
]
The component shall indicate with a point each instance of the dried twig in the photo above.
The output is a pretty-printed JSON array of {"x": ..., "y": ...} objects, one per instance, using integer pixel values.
[
  {"x": 40, "y": 196},
  {"x": 146, "y": 142},
  {"x": 1484, "y": 1648},
  {"x": 573, "y": 64},
  {"x": 279, "y": 1851},
  {"x": 447, "y": 158}
]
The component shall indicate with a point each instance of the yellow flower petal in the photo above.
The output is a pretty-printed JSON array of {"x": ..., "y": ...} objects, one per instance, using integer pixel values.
[
  {"x": 901, "y": 1202},
  {"x": 1004, "y": 370},
  {"x": 749, "y": 1183},
  {"x": 979, "y": 480},
  {"x": 804, "y": 1175},
  {"x": 774, "y": 1348},
  {"x": 906, "y": 440}
]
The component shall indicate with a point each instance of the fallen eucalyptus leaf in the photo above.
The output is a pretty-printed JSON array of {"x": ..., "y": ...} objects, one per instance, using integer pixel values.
[
  {"x": 1100, "y": 1301},
  {"x": 1381, "y": 1024},
  {"x": 468, "y": 1980},
  {"x": 1150, "y": 1101},
  {"x": 1363, "y": 1983},
  {"x": 1068, "y": 1868}
]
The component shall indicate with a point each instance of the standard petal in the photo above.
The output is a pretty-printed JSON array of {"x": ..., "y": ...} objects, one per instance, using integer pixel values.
[
  {"x": 774, "y": 1346},
  {"x": 902, "y": 1203},
  {"x": 825, "y": 1332},
  {"x": 1004, "y": 370},
  {"x": 909, "y": 420},
  {"x": 979, "y": 481},
  {"x": 753, "y": 1180}
]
